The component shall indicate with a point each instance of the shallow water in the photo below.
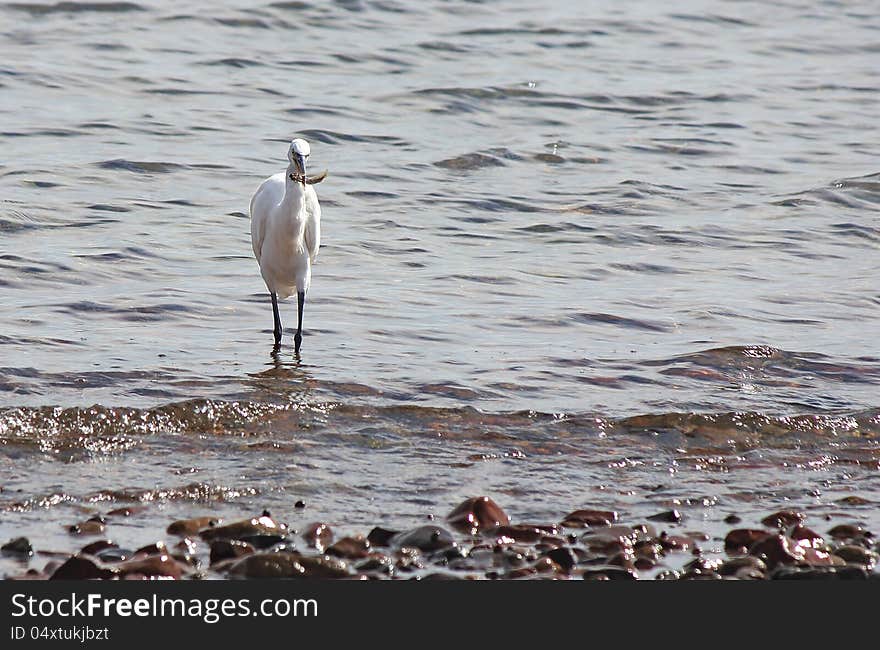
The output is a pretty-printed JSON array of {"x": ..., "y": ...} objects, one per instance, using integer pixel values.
[{"x": 587, "y": 255}]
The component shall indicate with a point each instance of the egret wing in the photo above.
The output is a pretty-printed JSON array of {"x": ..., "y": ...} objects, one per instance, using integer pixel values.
[{"x": 313, "y": 223}]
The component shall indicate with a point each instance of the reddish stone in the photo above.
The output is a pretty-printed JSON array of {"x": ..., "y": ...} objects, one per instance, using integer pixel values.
[
  {"x": 477, "y": 514},
  {"x": 584, "y": 518}
]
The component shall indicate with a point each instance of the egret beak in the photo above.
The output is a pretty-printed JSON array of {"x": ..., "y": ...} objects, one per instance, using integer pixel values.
[{"x": 301, "y": 163}]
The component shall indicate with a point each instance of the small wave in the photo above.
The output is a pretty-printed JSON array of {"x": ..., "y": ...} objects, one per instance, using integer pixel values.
[
  {"x": 140, "y": 167},
  {"x": 75, "y": 7}
]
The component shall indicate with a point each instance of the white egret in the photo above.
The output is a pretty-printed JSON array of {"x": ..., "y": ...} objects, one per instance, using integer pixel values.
[{"x": 286, "y": 233}]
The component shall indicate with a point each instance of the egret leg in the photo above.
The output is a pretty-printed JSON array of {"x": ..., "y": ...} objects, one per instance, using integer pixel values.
[
  {"x": 277, "y": 317},
  {"x": 298, "y": 337}
]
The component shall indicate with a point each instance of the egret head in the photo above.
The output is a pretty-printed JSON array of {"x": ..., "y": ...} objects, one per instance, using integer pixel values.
[{"x": 297, "y": 153}]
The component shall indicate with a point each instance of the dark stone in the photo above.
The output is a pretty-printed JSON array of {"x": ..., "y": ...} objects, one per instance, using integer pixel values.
[
  {"x": 88, "y": 527},
  {"x": 223, "y": 549},
  {"x": 19, "y": 546},
  {"x": 669, "y": 516},
  {"x": 564, "y": 557},
  {"x": 477, "y": 514},
  {"x": 268, "y": 565},
  {"x": 610, "y": 573},
  {"x": 584, "y": 518},
  {"x": 153, "y": 566},
  {"x": 113, "y": 554},
  {"x": 741, "y": 539},
  {"x": 783, "y": 519},
  {"x": 516, "y": 534},
  {"x": 805, "y": 535},
  {"x": 776, "y": 550},
  {"x": 262, "y": 542},
  {"x": 81, "y": 568},
  {"x": 96, "y": 547},
  {"x": 732, "y": 519},
  {"x": 856, "y": 555},
  {"x": 157, "y": 548},
  {"x": 425, "y": 538},
  {"x": 184, "y": 527},
  {"x": 299, "y": 505},
  {"x": 381, "y": 537},
  {"x": 734, "y": 565},
  {"x": 318, "y": 535},
  {"x": 847, "y": 531},
  {"x": 263, "y": 525},
  {"x": 352, "y": 548}
]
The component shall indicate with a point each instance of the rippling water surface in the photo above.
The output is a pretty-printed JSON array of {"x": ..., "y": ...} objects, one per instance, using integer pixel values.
[{"x": 588, "y": 254}]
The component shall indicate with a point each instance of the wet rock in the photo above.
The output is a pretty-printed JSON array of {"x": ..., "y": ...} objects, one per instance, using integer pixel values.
[
  {"x": 268, "y": 565},
  {"x": 263, "y": 542},
  {"x": 697, "y": 574},
  {"x": 263, "y": 525},
  {"x": 675, "y": 542},
  {"x": 425, "y": 538},
  {"x": 187, "y": 546},
  {"x": 737, "y": 564},
  {"x": 477, "y": 514},
  {"x": 777, "y": 549},
  {"x": 610, "y": 573},
  {"x": 806, "y": 537},
  {"x": 741, "y": 539},
  {"x": 585, "y": 518},
  {"x": 669, "y": 516},
  {"x": 547, "y": 565},
  {"x": 820, "y": 573},
  {"x": 516, "y": 534},
  {"x": 847, "y": 531},
  {"x": 857, "y": 555},
  {"x": 156, "y": 548},
  {"x": 96, "y": 547},
  {"x": 81, "y": 567},
  {"x": 88, "y": 527},
  {"x": 352, "y": 548},
  {"x": 815, "y": 557},
  {"x": 153, "y": 566},
  {"x": 189, "y": 527},
  {"x": 324, "y": 567},
  {"x": 625, "y": 558},
  {"x": 854, "y": 500},
  {"x": 224, "y": 549},
  {"x": 20, "y": 547},
  {"x": 783, "y": 519},
  {"x": 749, "y": 573},
  {"x": 299, "y": 505},
  {"x": 706, "y": 565},
  {"x": 564, "y": 557},
  {"x": 377, "y": 563},
  {"x": 732, "y": 520},
  {"x": 113, "y": 554},
  {"x": 650, "y": 550},
  {"x": 381, "y": 537},
  {"x": 318, "y": 535}
]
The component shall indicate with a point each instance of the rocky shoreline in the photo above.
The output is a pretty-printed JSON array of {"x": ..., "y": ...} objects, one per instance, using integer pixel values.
[{"x": 476, "y": 541}]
